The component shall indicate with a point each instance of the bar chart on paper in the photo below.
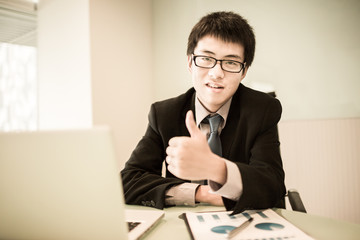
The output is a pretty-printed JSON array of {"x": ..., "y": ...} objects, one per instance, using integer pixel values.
[{"x": 266, "y": 224}]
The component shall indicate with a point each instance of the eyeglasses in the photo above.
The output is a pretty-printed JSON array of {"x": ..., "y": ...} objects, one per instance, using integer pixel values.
[{"x": 210, "y": 62}]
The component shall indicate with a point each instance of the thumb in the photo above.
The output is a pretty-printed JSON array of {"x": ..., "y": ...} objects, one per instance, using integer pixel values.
[{"x": 191, "y": 124}]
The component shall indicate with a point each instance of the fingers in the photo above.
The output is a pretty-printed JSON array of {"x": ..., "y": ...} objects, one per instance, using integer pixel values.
[
  {"x": 168, "y": 160},
  {"x": 170, "y": 167},
  {"x": 173, "y": 166},
  {"x": 176, "y": 146},
  {"x": 176, "y": 141},
  {"x": 175, "y": 152}
]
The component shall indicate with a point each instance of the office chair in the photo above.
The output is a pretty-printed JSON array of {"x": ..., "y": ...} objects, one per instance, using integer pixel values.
[{"x": 295, "y": 201}]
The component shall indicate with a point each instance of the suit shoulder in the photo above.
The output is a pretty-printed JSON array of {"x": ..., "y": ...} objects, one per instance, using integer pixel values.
[
  {"x": 257, "y": 97},
  {"x": 255, "y": 103}
]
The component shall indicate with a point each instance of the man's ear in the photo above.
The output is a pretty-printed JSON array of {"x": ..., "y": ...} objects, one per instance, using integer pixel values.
[
  {"x": 189, "y": 63},
  {"x": 244, "y": 72}
]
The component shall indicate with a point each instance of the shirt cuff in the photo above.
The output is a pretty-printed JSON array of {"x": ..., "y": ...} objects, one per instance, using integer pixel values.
[
  {"x": 183, "y": 194},
  {"x": 233, "y": 187}
]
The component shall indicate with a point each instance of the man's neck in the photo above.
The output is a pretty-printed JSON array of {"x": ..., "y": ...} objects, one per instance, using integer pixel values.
[{"x": 202, "y": 111}]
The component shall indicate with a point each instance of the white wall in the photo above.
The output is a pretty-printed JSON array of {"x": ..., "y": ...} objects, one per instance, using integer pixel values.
[
  {"x": 95, "y": 67},
  {"x": 64, "y": 92},
  {"x": 121, "y": 69}
]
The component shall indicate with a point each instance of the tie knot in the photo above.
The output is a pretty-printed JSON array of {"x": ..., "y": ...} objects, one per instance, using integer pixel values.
[{"x": 214, "y": 122}]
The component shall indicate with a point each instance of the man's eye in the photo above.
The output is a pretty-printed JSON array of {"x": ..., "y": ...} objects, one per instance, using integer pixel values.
[
  {"x": 206, "y": 59},
  {"x": 231, "y": 63}
]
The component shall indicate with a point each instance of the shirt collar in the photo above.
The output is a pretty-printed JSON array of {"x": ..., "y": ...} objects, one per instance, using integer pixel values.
[{"x": 201, "y": 112}]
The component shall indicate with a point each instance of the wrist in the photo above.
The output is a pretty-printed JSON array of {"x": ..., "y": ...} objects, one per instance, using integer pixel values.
[
  {"x": 204, "y": 196},
  {"x": 201, "y": 193}
]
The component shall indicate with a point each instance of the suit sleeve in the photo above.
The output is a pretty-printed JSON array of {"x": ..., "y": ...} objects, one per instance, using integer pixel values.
[
  {"x": 141, "y": 176},
  {"x": 263, "y": 175}
]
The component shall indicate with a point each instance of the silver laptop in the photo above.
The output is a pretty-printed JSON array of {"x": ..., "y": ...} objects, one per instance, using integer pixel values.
[{"x": 64, "y": 185}]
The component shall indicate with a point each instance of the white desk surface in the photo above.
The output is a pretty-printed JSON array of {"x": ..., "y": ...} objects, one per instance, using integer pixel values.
[{"x": 321, "y": 228}]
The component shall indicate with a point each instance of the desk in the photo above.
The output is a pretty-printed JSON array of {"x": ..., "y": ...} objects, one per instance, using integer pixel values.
[{"x": 321, "y": 228}]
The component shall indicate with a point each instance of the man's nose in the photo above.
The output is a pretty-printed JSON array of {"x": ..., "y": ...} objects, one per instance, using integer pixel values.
[{"x": 216, "y": 72}]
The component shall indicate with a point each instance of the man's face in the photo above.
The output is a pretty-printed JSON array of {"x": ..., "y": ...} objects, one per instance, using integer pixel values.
[{"x": 214, "y": 87}]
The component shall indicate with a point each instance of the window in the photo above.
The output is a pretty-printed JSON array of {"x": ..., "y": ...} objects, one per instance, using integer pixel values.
[
  {"x": 18, "y": 87},
  {"x": 18, "y": 67}
]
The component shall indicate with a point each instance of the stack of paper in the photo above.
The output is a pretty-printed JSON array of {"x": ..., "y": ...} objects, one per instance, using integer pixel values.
[{"x": 266, "y": 224}]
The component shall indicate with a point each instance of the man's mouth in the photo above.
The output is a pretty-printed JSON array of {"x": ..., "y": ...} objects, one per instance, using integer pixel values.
[{"x": 211, "y": 85}]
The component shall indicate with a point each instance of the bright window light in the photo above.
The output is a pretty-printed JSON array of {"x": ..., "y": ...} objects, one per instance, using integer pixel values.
[{"x": 18, "y": 88}]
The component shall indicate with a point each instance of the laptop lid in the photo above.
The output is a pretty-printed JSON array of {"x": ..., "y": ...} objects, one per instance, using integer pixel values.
[{"x": 60, "y": 185}]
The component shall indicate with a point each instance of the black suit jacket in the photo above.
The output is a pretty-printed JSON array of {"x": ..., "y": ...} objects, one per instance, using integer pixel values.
[{"x": 249, "y": 139}]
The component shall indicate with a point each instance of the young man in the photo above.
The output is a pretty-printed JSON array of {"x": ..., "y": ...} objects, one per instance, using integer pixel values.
[{"x": 233, "y": 160}]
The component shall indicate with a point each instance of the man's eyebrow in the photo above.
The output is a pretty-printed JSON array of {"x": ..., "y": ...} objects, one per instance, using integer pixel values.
[
  {"x": 208, "y": 52},
  {"x": 227, "y": 56},
  {"x": 233, "y": 56}
]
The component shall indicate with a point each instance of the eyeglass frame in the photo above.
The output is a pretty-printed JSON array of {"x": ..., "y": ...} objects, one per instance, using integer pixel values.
[{"x": 216, "y": 61}]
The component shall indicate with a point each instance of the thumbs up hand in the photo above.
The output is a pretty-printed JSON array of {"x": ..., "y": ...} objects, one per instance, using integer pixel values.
[{"x": 191, "y": 158}]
